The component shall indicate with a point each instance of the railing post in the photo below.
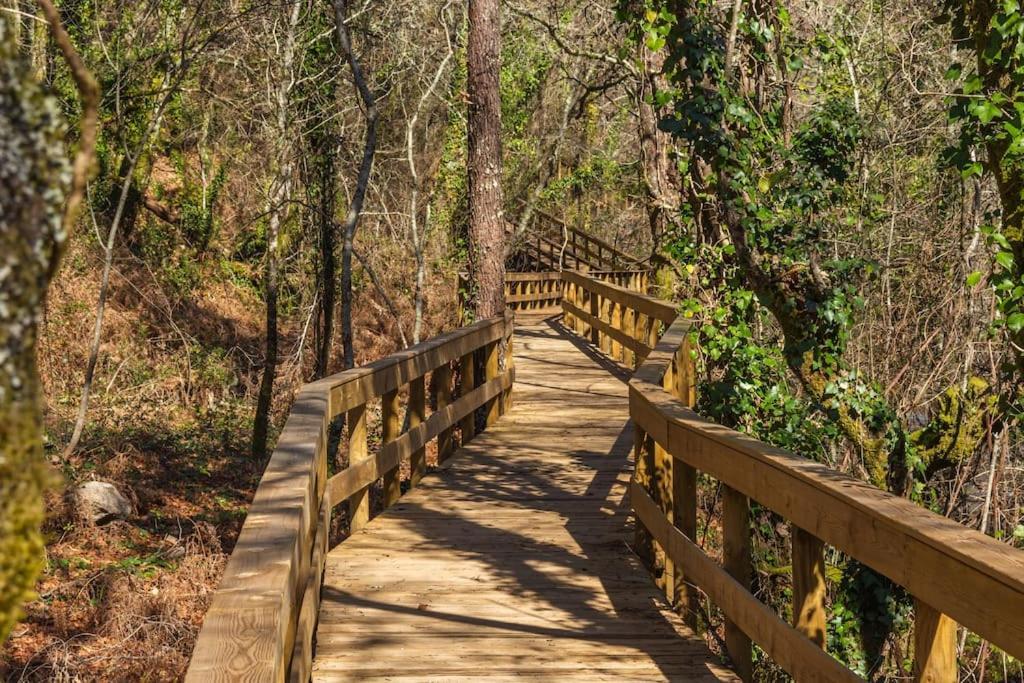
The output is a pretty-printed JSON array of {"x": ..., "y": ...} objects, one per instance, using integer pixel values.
[
  {"x": 684, "y": 483},
  {"x": 629, "y": 320},
  {"x": 491, "y": 371},
  {"x": 606, "y": 316},
  {"x": 663, "y": 490},
  {"x": 595, "y": 310},
  {"x": 580, "y": 323},
  {"x": 736, "y": 556},
  {"x": 652, "y": 332},
  {"x": 570, "y": 296},
  {"x": 467, "y": 368},
  {"x": 641, "y": 334},
  {"x": 359, "y": 503},
  {"x": 510, "y": 365},
  {"x": 643, "y": 461},
  {"x": 441, "y": 379},
  {"x": 390, "y": 428},
  {"x": 808, "y": 585},
  {"x": 417, "y": 413},
  {"x": 617, "y": 324},
  {"x": 934, "y": 645}
]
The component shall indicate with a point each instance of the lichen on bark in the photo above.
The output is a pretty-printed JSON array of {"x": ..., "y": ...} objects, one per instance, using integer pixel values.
[{"x": 34, "y": 177}]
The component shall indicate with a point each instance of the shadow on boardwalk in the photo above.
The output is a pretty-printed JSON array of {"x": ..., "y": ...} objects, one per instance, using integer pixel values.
[{"x": 513, "y": 561}]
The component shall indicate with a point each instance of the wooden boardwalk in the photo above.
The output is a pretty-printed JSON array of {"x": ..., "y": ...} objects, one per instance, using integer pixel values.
[{"x": 512, "y": 562}]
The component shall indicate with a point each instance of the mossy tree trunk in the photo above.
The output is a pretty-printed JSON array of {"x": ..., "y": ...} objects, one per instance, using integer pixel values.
[{"x": 40, "y": 196}]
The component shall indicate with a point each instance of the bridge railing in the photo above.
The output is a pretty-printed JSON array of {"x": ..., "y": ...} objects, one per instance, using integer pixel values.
[
  {"x": 532, "y": 291},
  {"x": 261, "y": 621},
  {"x": 956, "y": 575}
]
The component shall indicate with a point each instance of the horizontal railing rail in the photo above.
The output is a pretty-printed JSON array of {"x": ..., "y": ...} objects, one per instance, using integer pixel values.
[
  {"x": 638, "y": 280},
  {"x": 262, "y": 618},
  {"x": 955, "y": 574},
  {"x": 592, "y": 250},
  {"x": 530, "y": 291}
]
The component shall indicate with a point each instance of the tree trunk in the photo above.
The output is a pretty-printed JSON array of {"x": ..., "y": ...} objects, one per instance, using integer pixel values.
[
  {"x": 133, "y": 158},
  {"x": 36, "y": 217},
  {"x": 486, "y": 229},
  {"x": 328, "y": 261},
  {"x": 362, "y": 180},
  {"x": 660, "y": 176},
  {"x": 261, "y": 423},
  {"x": 280, "y": 197}
]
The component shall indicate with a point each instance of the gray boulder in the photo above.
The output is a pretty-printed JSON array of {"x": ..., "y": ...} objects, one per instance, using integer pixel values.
[{"x": 101, "y": 502}]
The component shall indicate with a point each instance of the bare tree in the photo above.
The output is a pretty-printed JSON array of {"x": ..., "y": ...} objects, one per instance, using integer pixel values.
[
  {"x": 486, "y": 225},
  {"x": 362, "y": 180},
  {"x": 280, "y": 82},
  {"x": 419, "y": 218}
]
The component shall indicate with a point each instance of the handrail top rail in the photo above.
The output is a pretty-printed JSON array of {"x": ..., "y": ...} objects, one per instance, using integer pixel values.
[
  {"x": 648, "y": 305},
  {"x": 624, "y": 256},
  {"x": 971, "y": 545},
  {"x": 907, "y": 543},
  {"x": 350, "y": 387},
  {"x": 253, "y": 608}
]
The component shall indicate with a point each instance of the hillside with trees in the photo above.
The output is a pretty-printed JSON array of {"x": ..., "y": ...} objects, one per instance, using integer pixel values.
[{"x": 206, "y": 204}]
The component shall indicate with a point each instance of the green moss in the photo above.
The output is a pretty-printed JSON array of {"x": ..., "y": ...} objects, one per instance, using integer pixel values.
[
  {"x": 34, "y": 173},
  {"x": 958, "y": 425}
]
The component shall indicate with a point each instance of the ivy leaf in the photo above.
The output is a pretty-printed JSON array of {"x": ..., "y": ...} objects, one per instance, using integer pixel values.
[
  {"x": 1005, "y": 259},
  {"x": 972, "y": 169},
  {"x": 985, "y": 111},
  {"x": 974, "y": 278},
  {"x": 1015, "y": 322}
]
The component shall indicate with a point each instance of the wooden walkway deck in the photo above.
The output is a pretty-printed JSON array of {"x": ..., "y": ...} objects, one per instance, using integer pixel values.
[{"x": 512, "y": 563}]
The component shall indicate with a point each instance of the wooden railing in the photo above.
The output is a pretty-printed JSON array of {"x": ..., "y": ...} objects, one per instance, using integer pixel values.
[
  {"x": 261, "y": 622},
  {"x": 532, "y": 291},
  {"x": 623, "y": 323},
  {"x": 955, "y": 574},
  {"x": 593, "y": 251},
  {"x": 636, "y": 280}
]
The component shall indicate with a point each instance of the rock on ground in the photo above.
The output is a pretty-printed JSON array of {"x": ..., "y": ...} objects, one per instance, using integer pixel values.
[{"x": 101, "y": 502}]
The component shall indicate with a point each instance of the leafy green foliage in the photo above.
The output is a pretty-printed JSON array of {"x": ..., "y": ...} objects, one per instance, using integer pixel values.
[{"x": 988, "y": 108}]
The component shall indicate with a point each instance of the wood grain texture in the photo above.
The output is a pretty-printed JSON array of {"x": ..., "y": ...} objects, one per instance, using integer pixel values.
[
  {"x": 809, "y": 615},
  {"x": 512, "y": 560},
  {"x": 259, "y": 616},
  {"x": 934, "y": 646},
  {"x": 786, "y": 646}
]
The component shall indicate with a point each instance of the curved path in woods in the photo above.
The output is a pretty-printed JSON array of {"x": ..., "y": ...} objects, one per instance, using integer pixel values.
[{"x": 512, "y": 562}]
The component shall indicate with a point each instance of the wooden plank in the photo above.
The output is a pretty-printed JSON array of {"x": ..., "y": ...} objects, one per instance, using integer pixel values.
[
  {"x": 809, "y": 616},
  {"x": 391, "y": 426},
  {"x": 533, "y": 297},
  {"x": 787, "y": 647},
  {"x": 934, "y": 645},
  {"x": 302, "y": 654},
  {"x": 417, "y": 409},
  {"x": 359, "y": 501},
  {"x": 941, "y": 562},
  {"x": 551, "y": 275},
  {"x": 736, "y": 561}
]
